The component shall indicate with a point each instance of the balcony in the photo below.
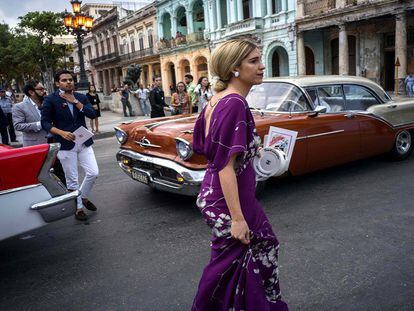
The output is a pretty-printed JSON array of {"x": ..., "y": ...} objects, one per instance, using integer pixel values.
[
  {"x": 245, "y": 26},
  {"x": 137, "y": 54},
  {"x": 180, "y": 41},
  {"x": 104, "y": 58},
  {"x": 316, "y": 7}
]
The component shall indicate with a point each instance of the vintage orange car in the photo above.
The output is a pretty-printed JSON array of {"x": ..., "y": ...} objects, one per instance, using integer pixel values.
[{"x": 339, "y": 119}]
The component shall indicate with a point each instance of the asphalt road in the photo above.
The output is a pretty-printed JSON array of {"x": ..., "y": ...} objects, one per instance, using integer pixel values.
[{"x": 346, "y": 244}]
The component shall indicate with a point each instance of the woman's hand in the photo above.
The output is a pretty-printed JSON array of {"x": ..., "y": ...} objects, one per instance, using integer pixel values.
[{"x": 240, "y": 231}]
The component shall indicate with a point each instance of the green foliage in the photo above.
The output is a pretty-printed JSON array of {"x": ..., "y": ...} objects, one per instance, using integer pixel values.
[{"x": 28, "y": 51}]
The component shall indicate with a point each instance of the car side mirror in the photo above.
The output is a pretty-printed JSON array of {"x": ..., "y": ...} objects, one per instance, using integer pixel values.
[{"x": 317, "y": 110}]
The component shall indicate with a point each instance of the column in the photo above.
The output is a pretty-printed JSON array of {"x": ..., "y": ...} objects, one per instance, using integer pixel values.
[
  {"x": 218, "y": 13},
  {"x": 300, "y": 12},
  {"x": 190, "y": 24},
  {"x": 401, "y": 49},
  {"x": 240, "y": 16},
  {"x": 207, "y": 17},
  {"x": 150, "y": 73},
  {"x": 269, "y": 7},
  {"x": 212, "y": 13},
  {"x": 301, "y": 54},
  {"x": 284, "y": 6},
  {"x": 343, "y": 51},
  {"x": 231, "y": 11},
  {"x": 173, "y": 26}
]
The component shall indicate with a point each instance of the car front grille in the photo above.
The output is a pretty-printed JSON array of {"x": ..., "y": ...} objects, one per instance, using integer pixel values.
[{"x": 162, "y": 172}]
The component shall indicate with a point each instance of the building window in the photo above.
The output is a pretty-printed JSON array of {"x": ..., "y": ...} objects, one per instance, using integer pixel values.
[
  {"x": 132, "y": 44},
  {"x": 276, "y": 6},
  {"x": 141, "y": 43},
  {"x": 150, "y": 39},
  {"x": 246, "y": 9}
]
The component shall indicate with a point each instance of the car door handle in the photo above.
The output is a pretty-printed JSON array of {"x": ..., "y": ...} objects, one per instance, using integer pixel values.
[
  {"x": 392, "y": 106},
  {"x": 350, "y": 115}
]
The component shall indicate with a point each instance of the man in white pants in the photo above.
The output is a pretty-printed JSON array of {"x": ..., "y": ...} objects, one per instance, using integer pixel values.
[{"x": 63, "y": 112}]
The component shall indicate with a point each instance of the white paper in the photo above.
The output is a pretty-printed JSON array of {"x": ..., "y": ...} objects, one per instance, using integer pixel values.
[
  {"x": 282, "y": 139},
  {"x": 82, "y": 134}
]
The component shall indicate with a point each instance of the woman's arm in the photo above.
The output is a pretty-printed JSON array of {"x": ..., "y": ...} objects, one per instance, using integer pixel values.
[{"x": 228, "y": 181}]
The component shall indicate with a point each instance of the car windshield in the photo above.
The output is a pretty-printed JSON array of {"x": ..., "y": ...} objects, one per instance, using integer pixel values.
[{"x": 277, "y": 96}]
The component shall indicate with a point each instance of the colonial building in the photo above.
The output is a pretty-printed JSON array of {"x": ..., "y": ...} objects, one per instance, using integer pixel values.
[
  {"x": 270, "y": 22},
  {"x": 182, "y": 45},
  {"x": 105, "y": 51},
  {"x": 137, "y": 38},
  {"x": 356, "y": 37}
]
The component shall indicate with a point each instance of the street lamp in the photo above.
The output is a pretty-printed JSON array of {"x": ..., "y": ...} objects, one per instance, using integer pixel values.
[{"x": 79, "y": 24}]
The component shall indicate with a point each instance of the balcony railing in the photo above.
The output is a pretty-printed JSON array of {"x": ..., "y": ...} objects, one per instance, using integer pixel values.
[
  {"x": 138, "y": 54},
  {"x": 180, "y": 41},
  {"x": 244, "y": 26},
  {"x": 315, "y": 7},
  {"x": 104, "y": 58}
]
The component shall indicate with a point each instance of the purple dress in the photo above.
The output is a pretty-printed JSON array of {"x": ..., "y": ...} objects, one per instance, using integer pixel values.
[{"x": 238, "y": 276}]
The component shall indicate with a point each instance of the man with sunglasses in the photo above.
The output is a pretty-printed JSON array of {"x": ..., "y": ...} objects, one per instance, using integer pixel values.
[{"x": 26, "y": 115}]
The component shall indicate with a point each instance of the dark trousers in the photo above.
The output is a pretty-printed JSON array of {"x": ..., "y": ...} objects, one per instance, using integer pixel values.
[
  {"x": 157, "y": 114},
  {"x": 4, "y": 136},
  {"x": 125, "y": 104},
  {"x": 5, "y": 132}
]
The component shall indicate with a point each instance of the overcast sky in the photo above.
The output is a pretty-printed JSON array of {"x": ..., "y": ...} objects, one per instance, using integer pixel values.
[{"x": 10, "y": 10}]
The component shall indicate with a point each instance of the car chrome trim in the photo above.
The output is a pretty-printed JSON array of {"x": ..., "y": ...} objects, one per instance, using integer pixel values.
[
  {"x": 320, "y": 134},
  {"x": 144, "y": 142},
  {"x": 46, "y": 177},
  {"x": 191, "y": 176},
  {"x": 19, "y": 189},
  {"x": 57, "y": 200},
  {"x": 155, "y": 124}
]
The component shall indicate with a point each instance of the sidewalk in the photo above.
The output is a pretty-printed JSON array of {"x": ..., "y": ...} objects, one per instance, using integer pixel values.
[{"x": 107, "y": 122}]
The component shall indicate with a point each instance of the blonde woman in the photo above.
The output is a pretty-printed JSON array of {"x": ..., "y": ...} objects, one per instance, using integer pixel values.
[{"x": 243, "y": 271}]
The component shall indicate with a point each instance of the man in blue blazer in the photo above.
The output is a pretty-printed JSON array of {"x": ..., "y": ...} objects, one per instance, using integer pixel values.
[{"x": 64, "y": 112}]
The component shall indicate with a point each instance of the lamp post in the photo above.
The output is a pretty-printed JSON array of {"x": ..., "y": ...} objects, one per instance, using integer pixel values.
[{"x": 79, "y": 24}]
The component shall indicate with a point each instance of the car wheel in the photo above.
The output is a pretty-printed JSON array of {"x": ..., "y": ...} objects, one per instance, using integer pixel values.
[
  {"x": 403, "y": 146},
  {"x": 260, "y": 185}
]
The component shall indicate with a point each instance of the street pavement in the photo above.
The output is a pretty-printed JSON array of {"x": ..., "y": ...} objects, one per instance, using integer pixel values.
[{"x": 346, "y": 239}]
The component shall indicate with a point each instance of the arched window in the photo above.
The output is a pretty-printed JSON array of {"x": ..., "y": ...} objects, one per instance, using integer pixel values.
[
  {"x": 141, "y": 41},
  {"x": 132, "y": 39}
]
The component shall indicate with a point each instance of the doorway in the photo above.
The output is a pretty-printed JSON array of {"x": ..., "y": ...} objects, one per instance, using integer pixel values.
[{"x": 389, "y": 70}]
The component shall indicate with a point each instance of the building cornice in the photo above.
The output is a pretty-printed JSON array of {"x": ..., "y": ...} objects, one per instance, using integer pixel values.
[{"x": 351, "y": 13}]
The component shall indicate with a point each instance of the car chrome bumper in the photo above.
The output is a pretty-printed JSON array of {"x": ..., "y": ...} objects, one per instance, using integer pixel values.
[
  {"x": 157, "y": 170},
  {"x": 58, "y": 207}
]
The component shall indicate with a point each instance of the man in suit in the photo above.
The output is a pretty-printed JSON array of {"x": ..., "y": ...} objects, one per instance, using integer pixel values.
[
  {"x": 26, "y": 119},
  {"x": 6, "y": 105},
  {"x": 64, "y": 112},
  {"x": 26, "y": 115},
  {"x": 157, "y": 100}
]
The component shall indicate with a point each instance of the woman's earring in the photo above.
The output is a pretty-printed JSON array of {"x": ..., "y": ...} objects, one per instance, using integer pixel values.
[{"x": 237, "y": 74}]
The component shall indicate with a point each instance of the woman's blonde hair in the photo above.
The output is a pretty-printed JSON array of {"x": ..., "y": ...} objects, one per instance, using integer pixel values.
[{"x": 225, "y": 58}]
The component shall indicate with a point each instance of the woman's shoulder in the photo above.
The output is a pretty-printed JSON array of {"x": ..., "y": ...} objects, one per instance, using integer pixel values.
[{"x": 233, "y": 102}]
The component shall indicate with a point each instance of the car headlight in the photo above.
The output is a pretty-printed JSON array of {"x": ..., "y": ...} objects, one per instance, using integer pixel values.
[
  {"x": 184, "y": 149},
  {"x": 120, "y": 135}
]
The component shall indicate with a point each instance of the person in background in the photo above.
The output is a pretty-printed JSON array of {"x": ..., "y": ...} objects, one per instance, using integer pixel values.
[
  {"x": 188, "y": 79},
  {"x": 180, "y": 100},
  {"x": 26, "y": 115},
  {"x": 6, "y": 105},
  {"x": 27, "y": 119},
  {"x": 143, "y": 95},
  {"x": 93, "y": 98},
  {"x": 3, "y": 128},
  {"x": 157, "y": 99},
  {"x": 125, "y": 100},
  {"x": 63, "y": 113},
  {"x": 203, "y": 92},
  {"x": 409, "y": 84}
]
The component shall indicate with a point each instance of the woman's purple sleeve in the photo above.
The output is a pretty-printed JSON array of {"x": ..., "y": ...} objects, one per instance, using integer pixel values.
[
  {"x": 198, "y": 138},
  {"x": 230, "y": 132}
]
